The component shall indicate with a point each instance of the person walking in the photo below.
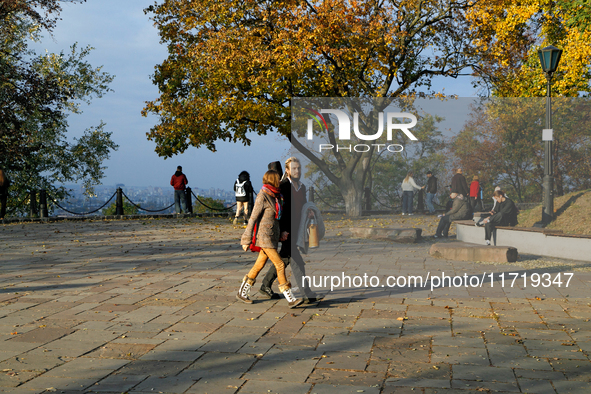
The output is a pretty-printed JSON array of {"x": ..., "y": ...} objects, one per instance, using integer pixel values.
[
  {"x": 179, "y": 183},
  {"x": 459, "y": 184},
  {"x": 431, "y": 190},
  {"x": 266, "y": 213},
  {"x": 460, "y": 210},
  {"x": 244, "y": 192},
  {"x": 475, "y": 193},
  {"x": 4, "y": 185},
  {"x": 294, "y": 194},
  {"x": 408, "y": 187},
  {"x": 505, "y": 214}
]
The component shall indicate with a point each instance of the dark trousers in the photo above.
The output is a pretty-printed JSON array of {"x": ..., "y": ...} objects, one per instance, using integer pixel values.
[
  {"x": 407, "y": 202},
  {"x": 494, "y": 221},
  {"x": 443, "y": 226},
  {"x": 3, "y": 198},
  {"x": 290, "y": 254},
  {"x": 476, "y": 201},
  {"x": 180, "y": 202}
]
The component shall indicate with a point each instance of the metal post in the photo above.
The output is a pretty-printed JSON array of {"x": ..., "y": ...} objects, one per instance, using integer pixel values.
[
  {"x": 311, "y": 194},
  {"x": 420, "y": 204},
  {"x": 367, "y": 199},
  {"x": 188, "y": 200},
  {"x": 548, "y": 182},
  {"x": 119, "y": 202},
  {"x": 43, "y": 204},
  {"x": 33, "y": 205}
]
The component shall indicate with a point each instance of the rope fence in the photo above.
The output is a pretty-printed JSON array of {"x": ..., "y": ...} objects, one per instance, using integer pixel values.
[{"x": 38, "y": 203}]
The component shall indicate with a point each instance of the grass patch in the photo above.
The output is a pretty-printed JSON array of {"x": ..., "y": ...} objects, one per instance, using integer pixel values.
[{"x": 572, "y": 212}]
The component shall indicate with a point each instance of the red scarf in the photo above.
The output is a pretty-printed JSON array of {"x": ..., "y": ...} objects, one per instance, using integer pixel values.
[{"x": 275, "y": 192}]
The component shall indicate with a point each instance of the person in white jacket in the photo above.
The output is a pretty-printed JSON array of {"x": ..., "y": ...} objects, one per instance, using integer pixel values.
[{"x": 408, "y": 187}]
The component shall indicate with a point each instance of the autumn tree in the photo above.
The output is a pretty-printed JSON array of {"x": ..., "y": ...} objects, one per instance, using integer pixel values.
[
  {"x": 234, "y": 66},
  {"x": 509, "y": 64},
  {"x": 37, "y": 94}
]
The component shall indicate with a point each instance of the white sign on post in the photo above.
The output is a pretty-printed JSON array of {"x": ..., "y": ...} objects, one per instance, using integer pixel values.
[{"x": 547, "y": 134}]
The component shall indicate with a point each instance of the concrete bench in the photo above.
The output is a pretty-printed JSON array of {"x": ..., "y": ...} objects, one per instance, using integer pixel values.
[
  {"x": 401, "y": 235},
  {"x": 465, "y": 251},
  {"x": 530, "y": 240}
]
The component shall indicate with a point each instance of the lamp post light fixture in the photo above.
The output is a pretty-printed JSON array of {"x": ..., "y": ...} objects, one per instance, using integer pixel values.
[{"x": 549, "y": 58}]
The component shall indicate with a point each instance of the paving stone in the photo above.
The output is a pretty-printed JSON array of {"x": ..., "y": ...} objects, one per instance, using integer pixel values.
[
  {"x": 170, "y": 384},
  {"x": 208, "y": 366},
  {"x": 216, "y": 386},
  {"x": 479, "y": 386},
  {"x": 459, "y": 355},
  {"x": 536, "y": 386},
  {"x": 118, "y": 383},
  {"x": 121, "y": 350},
  {"x": 320, "y": 388},
  {"x": 418, "y": 382},
  {"x": 42, "y": 335},
  {"x": 333, "y": 377},
  {"x": 572, "y": 387},
  {"x": 490, "y": 374},
  {"x": 43, "y": 382},
  {"x": 270, "y": 386},
  {"x": 13, "y": 379}
]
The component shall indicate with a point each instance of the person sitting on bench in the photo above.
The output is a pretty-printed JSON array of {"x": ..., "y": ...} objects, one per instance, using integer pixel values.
[{"x": 504, "y": 214}]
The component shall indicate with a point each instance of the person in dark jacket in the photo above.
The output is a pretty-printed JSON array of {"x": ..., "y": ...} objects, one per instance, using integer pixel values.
[
  {"x": 294, "y": 195},
  {"x": 179, "y": 183},
  {"x": 431, "y": 190},
  {"x": 266, "y": 213},
  {"x": 505, "y": 214},
  {"x": 459, "y": 184},
  {"x": 4, "y": 185},
  {"x": 244, "y": 192},
  {"x": 460, "y": 211}
]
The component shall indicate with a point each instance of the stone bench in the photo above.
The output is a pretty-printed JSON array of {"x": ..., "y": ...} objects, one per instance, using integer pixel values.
[
  {"x": 465, "y": 251},
  {"x": 401, "y": 235},
  {"x": 530, "y": 240}
]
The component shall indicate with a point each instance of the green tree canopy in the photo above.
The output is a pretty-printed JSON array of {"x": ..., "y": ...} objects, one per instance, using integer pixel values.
[{"x": 37, "y": 94}]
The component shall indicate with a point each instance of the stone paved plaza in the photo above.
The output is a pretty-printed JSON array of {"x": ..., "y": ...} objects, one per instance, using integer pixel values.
[{"x": 148, "y": 306}]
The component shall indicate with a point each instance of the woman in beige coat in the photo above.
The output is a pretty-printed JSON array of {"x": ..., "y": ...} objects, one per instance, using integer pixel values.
[{"x": 267, "y": 212}]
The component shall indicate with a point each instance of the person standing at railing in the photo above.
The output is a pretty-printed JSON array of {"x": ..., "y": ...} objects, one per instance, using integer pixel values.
[
  {"x": 179, "y": 183},
  {"x": 408, "y": 187},
  {"x": 4, "y": 185}
]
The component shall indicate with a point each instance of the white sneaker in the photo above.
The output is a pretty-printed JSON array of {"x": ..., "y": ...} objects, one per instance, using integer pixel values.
[{"x": 487, "y": 242}]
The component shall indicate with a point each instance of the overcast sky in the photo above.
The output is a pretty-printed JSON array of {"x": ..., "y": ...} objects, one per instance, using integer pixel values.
[{"x": 127, "y": 45}]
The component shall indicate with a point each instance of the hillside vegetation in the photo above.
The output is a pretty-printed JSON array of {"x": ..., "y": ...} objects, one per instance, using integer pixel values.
[{"x": 573, "y": 212}]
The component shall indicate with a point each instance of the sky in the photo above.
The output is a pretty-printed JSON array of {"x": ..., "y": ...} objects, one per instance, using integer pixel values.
[{"x": 127, "y": 46}]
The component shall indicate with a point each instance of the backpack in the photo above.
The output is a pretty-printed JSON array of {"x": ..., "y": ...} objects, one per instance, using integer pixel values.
[{"x": 240, "y": 189}]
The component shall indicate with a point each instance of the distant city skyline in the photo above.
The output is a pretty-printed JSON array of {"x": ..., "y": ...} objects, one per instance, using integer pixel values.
[{"x": 127, "y": 45}]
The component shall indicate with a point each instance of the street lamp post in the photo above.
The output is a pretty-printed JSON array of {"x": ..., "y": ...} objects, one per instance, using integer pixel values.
[{"x": 549, "y": 58}]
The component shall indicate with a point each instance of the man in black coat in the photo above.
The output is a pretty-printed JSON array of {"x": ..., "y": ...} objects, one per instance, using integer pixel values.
[
  {"x": 294, "y": 198},
  {"x": 505, "y": 214},
  {"x": 459, "y": 184}
]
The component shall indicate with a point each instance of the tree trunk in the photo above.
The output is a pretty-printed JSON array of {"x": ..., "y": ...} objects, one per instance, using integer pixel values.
[{"x": 353, "y": 200}]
